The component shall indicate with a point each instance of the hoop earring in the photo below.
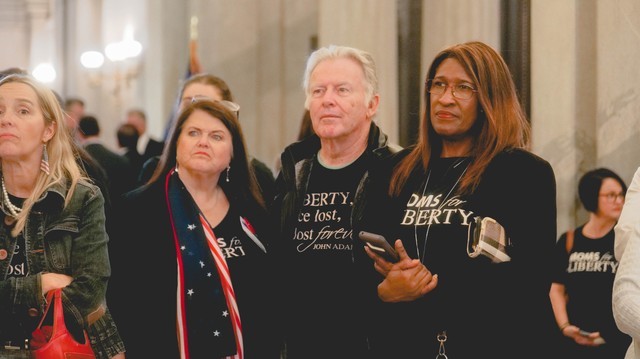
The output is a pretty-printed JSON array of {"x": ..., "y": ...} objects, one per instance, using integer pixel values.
[
  {"x": 228, "y": 169},
  {"x": 44, "y": 163}
]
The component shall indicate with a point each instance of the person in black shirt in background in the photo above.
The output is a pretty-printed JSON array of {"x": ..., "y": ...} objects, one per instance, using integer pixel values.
[
  {"x": 127, "y": 136},
  {"x": 120, "y": 174},
  {"x": 584, "y": 270},
  {"x": 147, "y": 146}
]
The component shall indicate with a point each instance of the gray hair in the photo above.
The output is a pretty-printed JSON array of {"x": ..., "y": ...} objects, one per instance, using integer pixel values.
[{"x": 335, "y": 52}]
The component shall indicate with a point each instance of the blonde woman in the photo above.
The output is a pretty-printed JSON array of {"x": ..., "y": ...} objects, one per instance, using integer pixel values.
[{"x": 53, "y": 230}]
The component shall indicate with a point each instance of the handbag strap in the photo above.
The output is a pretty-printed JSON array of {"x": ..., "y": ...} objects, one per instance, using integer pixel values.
[
  {"x": 58, "y": 313},
  {"x": 55, "y": 296},
  {"x": 49, "y": 299},
  {"x": 569, "y": 243}
]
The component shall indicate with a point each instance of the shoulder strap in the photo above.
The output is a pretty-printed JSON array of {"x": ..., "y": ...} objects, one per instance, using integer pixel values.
[{"x": 569, "y": 243}]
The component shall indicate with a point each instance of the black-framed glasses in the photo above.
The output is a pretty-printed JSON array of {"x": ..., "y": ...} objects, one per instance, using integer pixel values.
[
  {"x": 461, "y": 90},
  {"x": 612, "y": 197},
  {"x": 231, "y": 106}
]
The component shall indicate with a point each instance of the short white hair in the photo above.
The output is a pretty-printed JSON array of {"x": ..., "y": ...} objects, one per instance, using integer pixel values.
[{"x": 335, "y": 52}]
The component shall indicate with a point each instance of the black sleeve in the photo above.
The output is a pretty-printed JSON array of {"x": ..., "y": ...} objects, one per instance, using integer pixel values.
[
  {"x": 265, "y": 179},
  {"x": 148, "y": 167},
  {"x": 560, "y": 261}
]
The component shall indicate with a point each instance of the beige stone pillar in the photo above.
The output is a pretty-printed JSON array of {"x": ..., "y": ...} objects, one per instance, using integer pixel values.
[
  {"x": 445, "y": 23},
  {"x": 585, "y": 97},
  {"x": 369, "y": 25},
  {"x": 554, "y": 98},
  {"x": 617, "y": 86}
]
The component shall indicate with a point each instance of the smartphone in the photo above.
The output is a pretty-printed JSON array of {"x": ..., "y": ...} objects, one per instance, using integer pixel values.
[
  {"x": 380, "y": 246},
  {"x": 598, "y": 340}
]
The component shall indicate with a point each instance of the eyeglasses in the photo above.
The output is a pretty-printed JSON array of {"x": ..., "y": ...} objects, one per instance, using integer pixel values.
[
  {"x": 231, "y": 106},
  {"x": 612, "y": 197},
  {"x": 461, "y": 91}
]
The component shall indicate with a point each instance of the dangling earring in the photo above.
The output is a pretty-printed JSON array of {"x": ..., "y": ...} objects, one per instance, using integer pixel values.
[
  {"x": 44, "y": 163},
  {"x": 228, "y": 168}
]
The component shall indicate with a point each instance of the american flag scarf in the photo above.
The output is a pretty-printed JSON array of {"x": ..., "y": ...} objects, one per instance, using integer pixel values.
[{"x": 208, "y": 320}]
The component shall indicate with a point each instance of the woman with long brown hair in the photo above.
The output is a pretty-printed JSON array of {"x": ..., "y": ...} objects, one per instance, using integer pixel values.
[{"x": 448, "y": 295}]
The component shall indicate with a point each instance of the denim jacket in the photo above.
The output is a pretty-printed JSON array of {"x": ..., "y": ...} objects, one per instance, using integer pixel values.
[{"x": 70, "y": 240}]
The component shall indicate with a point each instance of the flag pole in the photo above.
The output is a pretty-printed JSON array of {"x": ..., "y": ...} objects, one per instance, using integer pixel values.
[
  {"x": 193, "y": 67},
  {"x": 194, "y": 61}
]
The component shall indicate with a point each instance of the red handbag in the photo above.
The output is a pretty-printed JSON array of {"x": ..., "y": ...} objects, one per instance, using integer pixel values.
[{"x": 55, "y": 342}]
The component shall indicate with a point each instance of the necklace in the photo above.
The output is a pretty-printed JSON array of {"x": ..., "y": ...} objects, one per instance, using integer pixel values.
[
  {"x": 15, "y": 210},
  {"x": 424, "y": 190}
]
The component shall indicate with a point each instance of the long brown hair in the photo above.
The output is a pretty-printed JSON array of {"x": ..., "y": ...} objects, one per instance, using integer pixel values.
[
  {"x": 501, "y": 122},
  {"x": 243, "y": 184}
]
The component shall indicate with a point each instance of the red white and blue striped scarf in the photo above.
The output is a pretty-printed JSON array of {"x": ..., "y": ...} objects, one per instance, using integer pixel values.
[{"x": 208, "y": 320}]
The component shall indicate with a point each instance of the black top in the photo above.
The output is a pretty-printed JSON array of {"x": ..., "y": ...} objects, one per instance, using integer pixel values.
[
  {"x": 587, "y": 273},
  {"x": 321, "y": 304},
  {"x": 143, "y": 286},
  {"x": 488, "y": 310}
]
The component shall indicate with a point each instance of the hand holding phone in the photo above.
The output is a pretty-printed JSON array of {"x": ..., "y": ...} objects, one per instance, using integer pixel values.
[
  {"x": 379, "y": 245},
  {"x": 586, "y": 334}
]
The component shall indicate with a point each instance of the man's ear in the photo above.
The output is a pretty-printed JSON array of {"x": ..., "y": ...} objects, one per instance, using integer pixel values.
[{"x": 372, "y": 108}]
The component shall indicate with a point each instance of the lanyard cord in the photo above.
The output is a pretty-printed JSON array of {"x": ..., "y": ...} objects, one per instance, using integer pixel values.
[{"x": 424, "y": 190}]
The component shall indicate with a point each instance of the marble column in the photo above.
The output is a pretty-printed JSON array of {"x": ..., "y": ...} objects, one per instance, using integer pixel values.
[
  {"x": 369, "y": 25},
  {"x": 585, "y": 97}
]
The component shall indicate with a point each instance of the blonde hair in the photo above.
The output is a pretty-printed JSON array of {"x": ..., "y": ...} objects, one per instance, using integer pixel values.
[{"x": 61, "y": 150}]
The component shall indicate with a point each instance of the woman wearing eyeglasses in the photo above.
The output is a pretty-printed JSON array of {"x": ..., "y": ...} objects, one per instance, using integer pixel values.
[
  {"x": 584, "y": 270},
  {"x": 191, "y": 270},
  {"x": 470, "y": 161}
]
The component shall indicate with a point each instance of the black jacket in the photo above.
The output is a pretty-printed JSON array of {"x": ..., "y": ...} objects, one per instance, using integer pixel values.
[
  {"x": 297, "y": 160},
  {"x": 143, "y": 285},
  {"x": 304, "y": 327},
  {"x": 490, "y": 310}
]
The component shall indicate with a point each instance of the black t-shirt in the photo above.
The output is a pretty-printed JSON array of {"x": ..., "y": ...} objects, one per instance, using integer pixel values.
[
  {"x": 321, "y": 268},
  {"x": 489, "y": 310},
  {"x": 587, "y": 273},
  {"x": 19, "y": 266},
  {"x": 251, "y": 277},
  {"x": 435, "y": 227}
]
